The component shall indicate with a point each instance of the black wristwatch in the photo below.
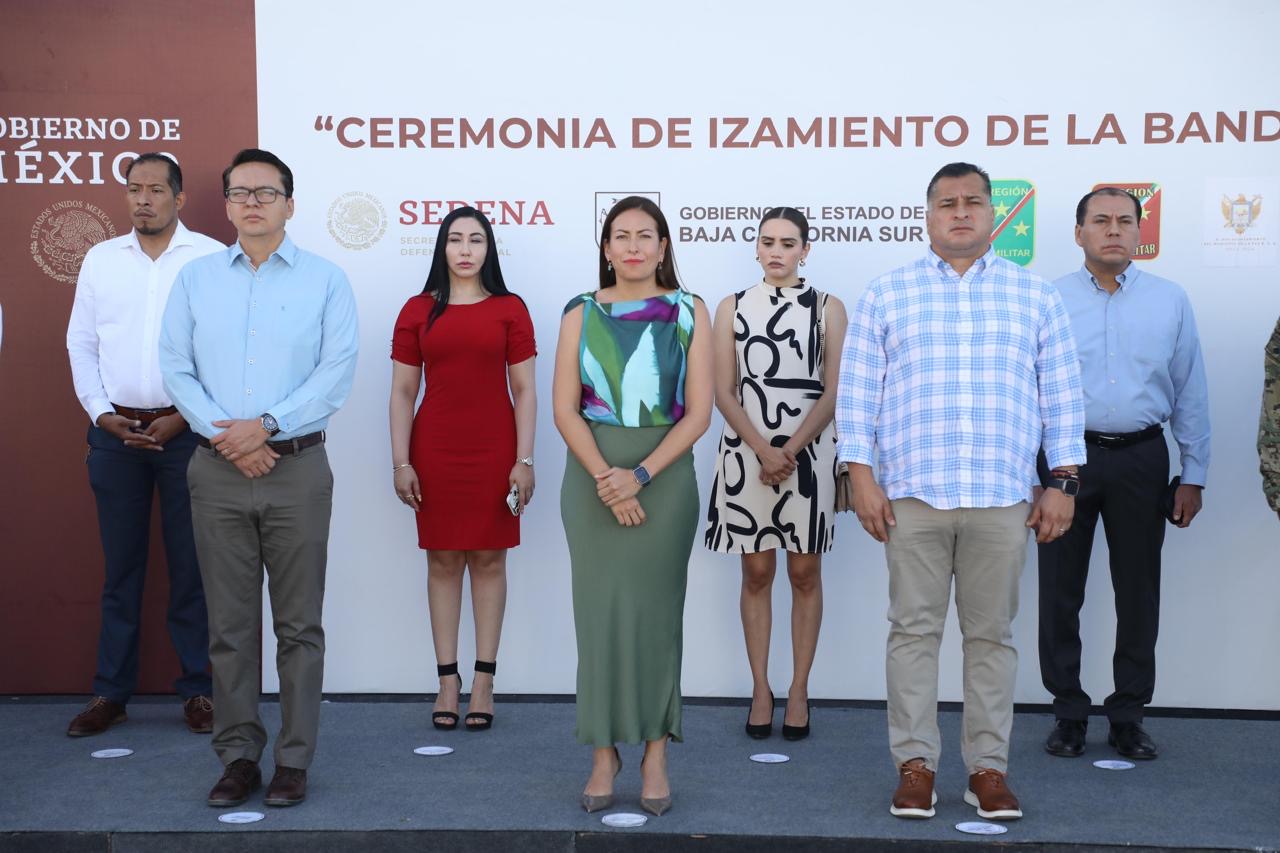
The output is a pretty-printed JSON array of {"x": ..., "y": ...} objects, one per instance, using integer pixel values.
[
  {"x": 270, "y": 424},
  {"x": 641, "y": 475},
  {"x": 1070, "y": 488}
]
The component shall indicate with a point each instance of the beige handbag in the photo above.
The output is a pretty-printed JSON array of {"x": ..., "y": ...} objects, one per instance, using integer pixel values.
[
  {"x": 844, "y": 486},
  {"x": 844, "y": 489}
]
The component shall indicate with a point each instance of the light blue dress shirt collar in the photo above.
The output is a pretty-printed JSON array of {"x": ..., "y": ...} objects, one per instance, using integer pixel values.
[
  {"x": 1126, "y": 279},
  {"x": 287, "y": 251},
  {"x": 943, "y": 266}
]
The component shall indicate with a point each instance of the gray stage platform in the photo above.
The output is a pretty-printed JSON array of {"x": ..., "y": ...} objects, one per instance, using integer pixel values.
[{"x": 1215, "y": 787}]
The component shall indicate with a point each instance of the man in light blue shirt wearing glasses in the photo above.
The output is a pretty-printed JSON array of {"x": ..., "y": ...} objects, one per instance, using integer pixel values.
[
  {"x": 257, "y": 350},
  {"x": 1141, "y": 367}
]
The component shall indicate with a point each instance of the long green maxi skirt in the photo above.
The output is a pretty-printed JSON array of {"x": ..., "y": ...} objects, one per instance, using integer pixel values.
[{"x": 628, "y": 592}]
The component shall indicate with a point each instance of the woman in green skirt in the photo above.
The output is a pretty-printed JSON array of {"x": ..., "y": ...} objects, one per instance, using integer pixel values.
[{"x": 632, "y": 393}]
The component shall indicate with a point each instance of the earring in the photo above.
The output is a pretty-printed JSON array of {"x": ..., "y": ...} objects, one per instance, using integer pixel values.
[
  {"x": 610, "y": 266},
  {"x": 659, "y": 266},
  {"x": 802, "y": 262}
]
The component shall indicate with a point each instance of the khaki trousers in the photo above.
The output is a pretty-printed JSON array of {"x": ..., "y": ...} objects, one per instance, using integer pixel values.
[
  {"x": 281, "y": 521},
  {"x": 984, "y": 550}
]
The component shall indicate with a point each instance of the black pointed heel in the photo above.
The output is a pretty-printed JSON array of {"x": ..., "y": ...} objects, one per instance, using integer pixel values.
[
  {"x": 798, "y": 732},
  {"x": 762, "y": 730},
  {"x": 478, "y": 721},
  {"x": 447, "y": 720}
]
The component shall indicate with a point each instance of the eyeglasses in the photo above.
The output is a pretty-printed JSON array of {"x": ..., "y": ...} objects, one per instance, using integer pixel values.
[{"x": 264, "y": 195}]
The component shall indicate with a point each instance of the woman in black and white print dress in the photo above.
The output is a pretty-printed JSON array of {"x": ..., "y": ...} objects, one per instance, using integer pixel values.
[{"x": 777, "y": 356}]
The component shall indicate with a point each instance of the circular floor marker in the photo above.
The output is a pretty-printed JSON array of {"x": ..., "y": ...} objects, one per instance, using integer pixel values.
[
  {"x": 241, "y": 817},
  {"x": 433, "y": 750},
  {"x": 770, "y": 758},
  {"x": 111, "y": 753},
  {"x": 981, "y": 827},
  {"x": 1113, "y": 764},
  {"x": 624, "y": 820}
]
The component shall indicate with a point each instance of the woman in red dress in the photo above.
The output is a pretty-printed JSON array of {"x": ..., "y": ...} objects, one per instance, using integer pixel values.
[{"x": 468, "y": 449}]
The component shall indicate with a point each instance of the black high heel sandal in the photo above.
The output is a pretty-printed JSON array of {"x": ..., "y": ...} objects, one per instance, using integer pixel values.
[
  {"x": 762, "y": 730},
  {"x": 478, "y": 721},
  {"x": 446, "y": 720}
]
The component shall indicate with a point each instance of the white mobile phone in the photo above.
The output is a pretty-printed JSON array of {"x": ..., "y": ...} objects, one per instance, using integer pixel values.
[{"x": 513, "y": 501}]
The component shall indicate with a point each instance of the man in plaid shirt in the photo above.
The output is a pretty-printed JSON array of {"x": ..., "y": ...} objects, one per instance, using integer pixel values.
[{"x": 957, "y": 369}]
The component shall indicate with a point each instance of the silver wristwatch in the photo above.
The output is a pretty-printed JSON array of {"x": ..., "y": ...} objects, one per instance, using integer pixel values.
[{"x": 528, "y": 460}]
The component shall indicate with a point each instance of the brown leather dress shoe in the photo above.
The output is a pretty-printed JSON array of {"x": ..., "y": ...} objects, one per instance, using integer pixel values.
[
  {"x": 915, "y": 796},
  {"x": 239, "y": 779},
  {"x": 989, "y": 792},
  {"x": 198, "y": 712},
  {"x": 98, "y": 716},
  {"x": 288, "y": 787}
]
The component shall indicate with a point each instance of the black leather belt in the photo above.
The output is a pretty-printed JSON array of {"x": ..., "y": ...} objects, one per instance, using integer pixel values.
[
  {"x": 284, "y": 448},
  {"x": 1113, "y": 440}
]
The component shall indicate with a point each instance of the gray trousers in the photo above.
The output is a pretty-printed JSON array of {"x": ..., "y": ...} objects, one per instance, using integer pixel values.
[
  {"x": 984, "y": 550},
  {"x": 280, "y": 521}
]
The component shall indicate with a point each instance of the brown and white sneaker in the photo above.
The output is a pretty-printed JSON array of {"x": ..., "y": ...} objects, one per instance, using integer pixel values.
[
  {"x": 990, "y": 793},
  {"x": 98, "y": 716},
  {"x": 915, "y": 797}
]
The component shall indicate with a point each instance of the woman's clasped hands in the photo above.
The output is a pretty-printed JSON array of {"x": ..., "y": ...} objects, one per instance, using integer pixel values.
[{"x": 617, "y": 489}]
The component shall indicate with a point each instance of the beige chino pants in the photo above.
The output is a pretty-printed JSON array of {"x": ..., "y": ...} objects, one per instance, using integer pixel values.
[
  {"x": 280, "y": 521},
  {"x": 984, "y": 551}
]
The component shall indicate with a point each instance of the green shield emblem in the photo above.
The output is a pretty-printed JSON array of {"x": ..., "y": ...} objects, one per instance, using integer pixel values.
[{"x": 1014, "y": 234}]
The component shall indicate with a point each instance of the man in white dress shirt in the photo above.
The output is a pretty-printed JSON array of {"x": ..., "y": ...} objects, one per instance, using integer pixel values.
[{"x": 138, "y": 443}]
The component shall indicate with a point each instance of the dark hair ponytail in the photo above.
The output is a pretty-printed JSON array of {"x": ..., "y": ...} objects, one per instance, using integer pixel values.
[{"x": 790, "y": 214}]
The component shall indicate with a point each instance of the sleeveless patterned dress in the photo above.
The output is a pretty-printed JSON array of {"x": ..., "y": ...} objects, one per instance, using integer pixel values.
[{"x": 780, "y": 344}]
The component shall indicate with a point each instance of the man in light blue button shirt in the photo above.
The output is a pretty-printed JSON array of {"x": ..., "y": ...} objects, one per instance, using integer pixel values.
[
  {"x": 258, "y": 349},
  {"x": 1141, "y": 366}
]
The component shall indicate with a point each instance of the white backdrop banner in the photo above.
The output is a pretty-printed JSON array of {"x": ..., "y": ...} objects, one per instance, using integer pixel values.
[{"x": 542, "y": 114}]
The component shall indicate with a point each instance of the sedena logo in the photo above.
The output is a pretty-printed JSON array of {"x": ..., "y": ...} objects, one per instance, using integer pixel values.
[
  {"x": 357, "y": 220},
  {"x": 1014, "y": 233},
  {"x": 1149, "y": 195},
  {"x": 63, "y": 233}
]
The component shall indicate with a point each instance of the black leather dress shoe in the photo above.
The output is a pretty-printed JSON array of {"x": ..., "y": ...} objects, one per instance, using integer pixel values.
[
  {"x": 1067, "y": 738},
  {"x": 1132, "y": 742}
]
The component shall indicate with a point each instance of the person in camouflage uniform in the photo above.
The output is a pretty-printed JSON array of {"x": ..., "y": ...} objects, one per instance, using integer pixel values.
[{"x": 1269, "y": 423}]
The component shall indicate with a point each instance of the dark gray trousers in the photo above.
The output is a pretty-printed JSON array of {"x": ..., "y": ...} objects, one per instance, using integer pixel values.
[{"x": 280, "y": 521}]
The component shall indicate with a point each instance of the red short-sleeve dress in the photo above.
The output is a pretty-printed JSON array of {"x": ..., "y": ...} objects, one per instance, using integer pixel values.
[{"x": 463, "y": 442}]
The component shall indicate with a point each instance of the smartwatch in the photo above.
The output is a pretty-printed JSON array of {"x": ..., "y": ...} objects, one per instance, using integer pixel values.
[
  {"x": 641, "y": 475},
  {"x": 270, "y": 424},
  {"x": 1070, "y": 488}
]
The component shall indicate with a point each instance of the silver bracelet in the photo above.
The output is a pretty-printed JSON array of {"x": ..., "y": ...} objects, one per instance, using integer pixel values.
[{"x": 398, "y": 467}]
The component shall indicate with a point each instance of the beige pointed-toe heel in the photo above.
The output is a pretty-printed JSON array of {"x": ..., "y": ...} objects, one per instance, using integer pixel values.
[
  {"x": 591, "y": 802},
  {"x": 656, "y": 805}
]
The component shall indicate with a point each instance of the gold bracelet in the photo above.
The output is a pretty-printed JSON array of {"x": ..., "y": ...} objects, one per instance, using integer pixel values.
[{"x": 398, "y": 467}]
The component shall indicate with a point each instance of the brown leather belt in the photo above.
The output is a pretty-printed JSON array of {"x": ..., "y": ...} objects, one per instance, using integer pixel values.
[
  {"x": 1114, "y": 440},
  {"x": 144, "y": 415},
  {"x": 284, "y": 448}
]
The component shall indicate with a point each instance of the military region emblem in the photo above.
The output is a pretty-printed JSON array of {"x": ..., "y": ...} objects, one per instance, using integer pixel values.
[
  {"x": 63, "y": 233},
  {"x": 606, "y": 201},
  {"x": 1014, "y": 206},
  {"x": 1148, "y": 195},
  {"x": 1241, "y": 213},
  {"x": 357, "y": 220}
]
